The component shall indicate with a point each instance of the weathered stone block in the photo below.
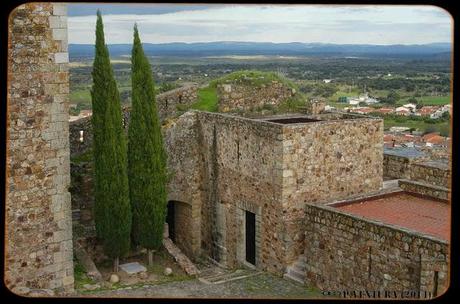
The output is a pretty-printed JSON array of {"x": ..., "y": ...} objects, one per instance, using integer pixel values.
[
  {"x": 61, "y": 57},
  {"x": 59, "y": 9},
  {"x": 59, "y": 34}
]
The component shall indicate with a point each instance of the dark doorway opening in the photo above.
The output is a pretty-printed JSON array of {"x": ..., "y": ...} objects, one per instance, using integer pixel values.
[
  {"x": 170, "y": 219},
  {"x": 250, "y": 237}
]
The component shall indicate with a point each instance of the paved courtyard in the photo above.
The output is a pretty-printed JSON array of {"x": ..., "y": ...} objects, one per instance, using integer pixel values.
[{"x": 257, "y": 285}]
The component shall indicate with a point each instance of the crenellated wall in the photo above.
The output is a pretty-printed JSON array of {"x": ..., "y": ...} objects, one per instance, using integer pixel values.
[{"x": 38, "y": 244}]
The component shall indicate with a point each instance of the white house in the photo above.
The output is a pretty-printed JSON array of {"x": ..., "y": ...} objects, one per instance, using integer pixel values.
[
  {"x": 354, "y": 101},
  {"x": 410, "y": 106},
  {"x": 399, "y": 129},
  {"x": 440, "y": 112},
  {"x": 362, "y": 98},
  {"x": 402, "y": 111},
  {"x": 327, "y": 80}
]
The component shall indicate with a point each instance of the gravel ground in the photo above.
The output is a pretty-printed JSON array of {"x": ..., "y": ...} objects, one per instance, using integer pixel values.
[{"x": 263, "y": 285}]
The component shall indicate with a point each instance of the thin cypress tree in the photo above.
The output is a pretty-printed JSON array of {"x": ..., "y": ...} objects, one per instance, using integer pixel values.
[
  {"x": 111, "y": 192},
  {"x": 146, "y": 156}
]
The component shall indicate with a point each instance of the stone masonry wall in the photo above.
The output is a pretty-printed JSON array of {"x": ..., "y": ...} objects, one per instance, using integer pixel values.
[
  {"x": 346, "y": 252},
  {"x": 168, "y": 102},
  {"x": 167, "y": 108},
  {"x": 425, "y": 189},
  {"x": 38, "y": 249},
  {"x": 184, "y": 227},
  {"x": 396, "y": 166},
  {"x": 185, "y": 166},
  {"x": 247, "y": 97},
  {"x": 433, "y": 173},
  {"x": 80, "y": 136},
  {"x": 242, "y": 161},
  {"x": 330, "y": 159}
]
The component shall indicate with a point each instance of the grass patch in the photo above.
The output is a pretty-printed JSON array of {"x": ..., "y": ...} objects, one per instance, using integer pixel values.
[
  {"x": 292, "y": 104},
  {"x": 80, "y": 276},
  {"x": 253, "y": 78},
  {"x": 207, "y": 99}
]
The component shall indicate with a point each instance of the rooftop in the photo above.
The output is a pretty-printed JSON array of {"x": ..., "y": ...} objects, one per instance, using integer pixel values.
[
  {"x": 293, "y": 120},
  {"x": 422, "y": 214},
  {"x": 403, "y": 152}
]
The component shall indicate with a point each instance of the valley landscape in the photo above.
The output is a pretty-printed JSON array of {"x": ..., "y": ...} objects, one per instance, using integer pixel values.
[{"x": 418, "y": 73}]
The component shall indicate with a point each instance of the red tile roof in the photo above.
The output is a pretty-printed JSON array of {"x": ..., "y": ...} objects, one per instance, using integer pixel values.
[
  {"x": 427, "y": 110},
  {"x": 437, "y": 140},
  {"x": 420, "y": 214},
  {"x": 429, "y": 135}
]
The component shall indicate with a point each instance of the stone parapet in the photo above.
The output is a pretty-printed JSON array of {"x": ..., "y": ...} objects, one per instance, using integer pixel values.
[
  {"x": 347, "y": 252},
  {"x": 425, "y": 189}
]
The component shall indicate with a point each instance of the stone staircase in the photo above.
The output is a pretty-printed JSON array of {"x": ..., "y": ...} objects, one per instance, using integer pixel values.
[{"x": 296, "y": 271}]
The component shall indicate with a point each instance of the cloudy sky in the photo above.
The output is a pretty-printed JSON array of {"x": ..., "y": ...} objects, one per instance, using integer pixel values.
[{"x": 163, "y": 23}]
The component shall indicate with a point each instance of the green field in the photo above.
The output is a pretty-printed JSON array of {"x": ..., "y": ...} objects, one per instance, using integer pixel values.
[
  {"x": 442, "y": 127},
  {"x": 431, "y": 100}
]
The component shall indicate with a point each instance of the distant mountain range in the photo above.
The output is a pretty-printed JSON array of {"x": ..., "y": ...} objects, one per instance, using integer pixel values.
[{"x": 435, "y": 50}]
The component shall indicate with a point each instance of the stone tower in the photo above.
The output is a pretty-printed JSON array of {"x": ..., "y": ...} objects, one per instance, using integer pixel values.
[{"x": 38, "y": 244}]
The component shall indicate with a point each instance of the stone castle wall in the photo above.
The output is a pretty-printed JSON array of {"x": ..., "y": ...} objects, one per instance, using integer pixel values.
[
  {"x": 330, "y": 159},
  {"x": 425, "y": 189},
  {"x": 433, "y": 173},
  {"x": 247, "y": 97},
  {"x": 38, "y": 248},
  {"x": 396, "y": 166},
  {"x": 222, "y": 166},
  {"x": 185, "y": 166},
  {"x": 419, "y": 169},
  {"x": 81, "y": 135},
  {"x": 169, "y": 102},
  {"x": 346, "y": 252},
  {"x": 242, "y": 171},
  {"x": 238, "y": 164}
]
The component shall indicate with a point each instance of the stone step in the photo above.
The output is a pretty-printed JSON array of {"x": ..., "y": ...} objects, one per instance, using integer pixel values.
[
  {"x": 298, "y": 266},
  {"x": 237, "y": 278},
  {"x": 228, "y": 277},
  {"x": 214, "y": 275},
  {"x": 225, "y": 276},
  {"x": 293, "y": 277},
  {"x": 296, "y": 272}
]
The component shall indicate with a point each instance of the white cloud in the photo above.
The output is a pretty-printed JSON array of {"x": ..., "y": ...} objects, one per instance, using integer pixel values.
[{"x": 275, "y": 23}]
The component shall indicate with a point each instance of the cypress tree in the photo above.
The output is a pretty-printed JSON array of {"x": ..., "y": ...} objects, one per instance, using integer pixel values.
[
  {"x": 147, "y": 170},
  {"x": 111, "y": 192}
]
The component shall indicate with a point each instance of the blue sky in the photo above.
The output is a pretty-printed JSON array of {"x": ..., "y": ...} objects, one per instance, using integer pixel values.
[{"x": 357, "y": 24}]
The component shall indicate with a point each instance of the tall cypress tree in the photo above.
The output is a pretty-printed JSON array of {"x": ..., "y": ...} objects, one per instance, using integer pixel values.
[
  {"x": 146, "y": 156},
  {"x": 111, "y": 192}
]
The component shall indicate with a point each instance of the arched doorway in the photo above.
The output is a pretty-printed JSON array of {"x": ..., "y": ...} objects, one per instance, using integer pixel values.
[{"x": 180, "y": 225}]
